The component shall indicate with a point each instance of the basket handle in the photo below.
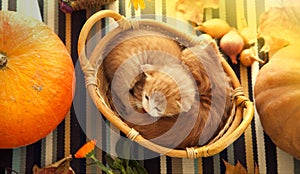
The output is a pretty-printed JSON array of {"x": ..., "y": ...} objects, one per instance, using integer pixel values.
[{"x": 86, "y": 66}]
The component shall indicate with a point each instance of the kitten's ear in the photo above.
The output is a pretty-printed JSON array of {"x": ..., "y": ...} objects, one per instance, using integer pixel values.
[
  {"x": 185, "y": 107},
  {"x": 146, "y": 68}
]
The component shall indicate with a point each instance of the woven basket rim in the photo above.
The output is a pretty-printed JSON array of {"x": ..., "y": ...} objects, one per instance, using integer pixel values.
[{"x": 244, "y": 107}]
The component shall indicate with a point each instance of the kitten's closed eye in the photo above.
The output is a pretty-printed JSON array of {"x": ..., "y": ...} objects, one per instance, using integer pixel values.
[{"x": 158, "y": 110}]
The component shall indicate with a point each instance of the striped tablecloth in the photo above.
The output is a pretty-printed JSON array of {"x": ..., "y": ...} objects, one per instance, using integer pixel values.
[{"x": 253, "y": 147}]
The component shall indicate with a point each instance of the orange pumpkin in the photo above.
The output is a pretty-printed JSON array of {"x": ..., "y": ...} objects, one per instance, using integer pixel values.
[
  {"x": 277, "y": 96},
  {"x": 36, "y": 80}
]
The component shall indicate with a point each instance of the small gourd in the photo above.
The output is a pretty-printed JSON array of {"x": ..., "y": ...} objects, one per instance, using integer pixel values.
[
  {"x": 249, "y": 36},
  {"x": 247, "y": 57},
  {"x": 215, "y": 27}
]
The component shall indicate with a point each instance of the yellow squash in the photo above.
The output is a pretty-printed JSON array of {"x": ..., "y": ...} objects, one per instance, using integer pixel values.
[{"x": 277, "y": 98}]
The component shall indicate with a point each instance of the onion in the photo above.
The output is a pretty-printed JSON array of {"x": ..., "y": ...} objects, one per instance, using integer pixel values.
[{"x": 232, "y": 44}]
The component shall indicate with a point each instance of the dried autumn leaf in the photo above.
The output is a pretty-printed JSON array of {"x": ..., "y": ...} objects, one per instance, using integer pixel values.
[
  {"x": 234, "y": 169},
  {"x": 238, "y": 168},
  {"x": 280, "y": 26},
  {"x": 193, "y": 10},
  {"x": 60, "y": 167}
]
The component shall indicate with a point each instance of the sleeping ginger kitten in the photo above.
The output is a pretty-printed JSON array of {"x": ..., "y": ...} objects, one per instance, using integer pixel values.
[
  {"x": 157, "y": 81},
  {"x": 149, "y": 74}
]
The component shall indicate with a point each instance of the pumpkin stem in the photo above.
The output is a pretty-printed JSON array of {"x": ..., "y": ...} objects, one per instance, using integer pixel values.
[{"x": 3, "y": 60}]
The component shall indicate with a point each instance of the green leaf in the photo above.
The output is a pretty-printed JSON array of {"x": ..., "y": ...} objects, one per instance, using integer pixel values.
[
  {"x": 129, "y": 170},
  {"x": 111, "y": 162},
  {"x": 138, "y": 166},
  {"x": 118, "y": 163}
]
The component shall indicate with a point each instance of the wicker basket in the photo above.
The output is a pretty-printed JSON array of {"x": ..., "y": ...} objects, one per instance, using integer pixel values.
[{"x": 97, "y": 88}]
